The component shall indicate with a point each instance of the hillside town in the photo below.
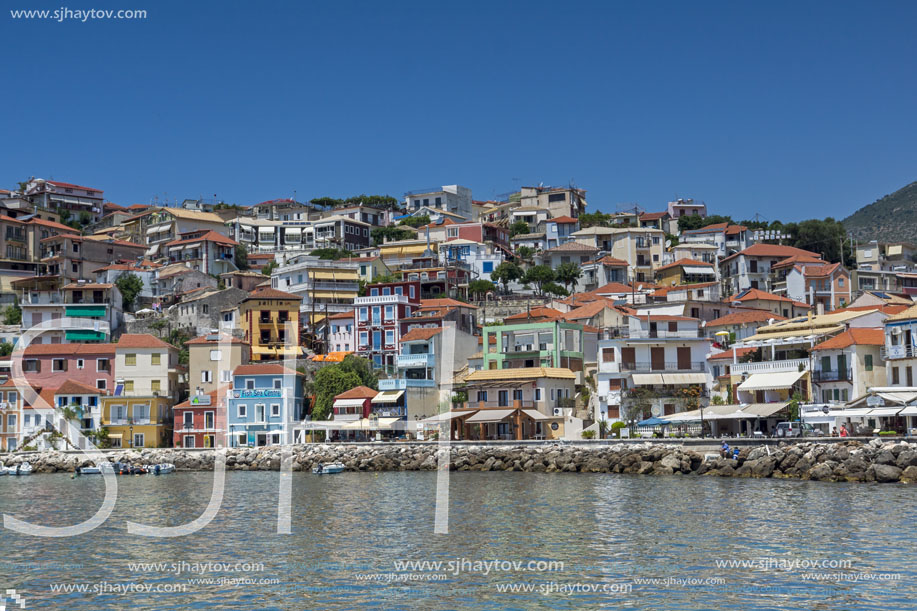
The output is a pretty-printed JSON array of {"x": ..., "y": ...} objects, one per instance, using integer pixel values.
[{"x": 200, "y": 324}]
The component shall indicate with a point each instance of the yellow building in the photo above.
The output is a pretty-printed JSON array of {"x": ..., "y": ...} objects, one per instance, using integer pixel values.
[
  {"x": 685, "y": 271},
  {"x": 264, "y": 315},
  {"x": 137, "y": 422}
]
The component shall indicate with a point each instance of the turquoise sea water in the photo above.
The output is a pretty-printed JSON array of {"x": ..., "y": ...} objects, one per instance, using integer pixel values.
[{"x": 561, "y": 541}]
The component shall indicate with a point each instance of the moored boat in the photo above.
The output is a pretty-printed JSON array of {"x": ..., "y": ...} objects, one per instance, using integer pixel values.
[
  {"x": 328, "y": 468},
  {"x": 20, "y": 469}
]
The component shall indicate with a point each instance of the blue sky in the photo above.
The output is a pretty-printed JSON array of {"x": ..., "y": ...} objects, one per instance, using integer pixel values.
[{"x": 793, "y": 110}]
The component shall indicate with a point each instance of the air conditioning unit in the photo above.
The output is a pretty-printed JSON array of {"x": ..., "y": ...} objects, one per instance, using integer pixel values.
[{"x": 558, "y": 411}]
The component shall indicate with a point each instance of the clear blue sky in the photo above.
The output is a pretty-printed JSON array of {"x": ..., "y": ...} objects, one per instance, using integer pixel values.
[{"x": 790, "y": 109}]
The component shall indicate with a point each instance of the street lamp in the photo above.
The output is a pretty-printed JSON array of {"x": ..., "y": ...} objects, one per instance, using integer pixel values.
[{"x": 131, "y": 436}]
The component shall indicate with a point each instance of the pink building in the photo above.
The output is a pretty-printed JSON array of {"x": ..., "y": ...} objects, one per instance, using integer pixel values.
[
  {"x": 50, "y": 365},
  {"x": 200, "y": 422}
]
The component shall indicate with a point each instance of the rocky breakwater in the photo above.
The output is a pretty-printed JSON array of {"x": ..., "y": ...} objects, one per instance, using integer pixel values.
[{"x": 850, "y": 461}]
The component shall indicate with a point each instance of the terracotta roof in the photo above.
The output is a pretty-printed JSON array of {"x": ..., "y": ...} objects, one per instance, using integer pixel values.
[
  {"x": 68, "y": 349},
  {"x": 745, "y": 316},
  {"x": 537, "y": 312},
  {"x": 708, "y": 229},
  {"x": 589, "y": 310},
  {"x": 563, "y": 219},
  {"x": 858, "y": 336},
  {"x": 223, "y": 337},
  {"x": 727, "y": 354},
  {"x": 72, "y": 387},
  {"x": 683, "y": 262},
  {"x": 572, "y": 246},
  {"x": 758, "y": 294},
  {"x": 790, "y": 261},
  {"x": 76, "y": 286},
  {"x": 141, "y": 340},
  {"x": 907, "y": 314},
  {"x": 891, "y": 309},
  {"x": 521, "y": 372},
  {"x": 52, "y": 224},
  {"x": 734, "y": 229},
  {"x": 421, "y": 334},
  {"x": 68, "y": 185},
  {"x": 662, "y": 317},
  {"x": 263, "y": 369},
  {"x": 818, "y": 271},
  {"x": 613, "y": 287},
  {"x": 652, "y": 216},
  {"x": 210, "y": 236},
  {"x": 341, "y": 316},
  {"x": 771, "y": 250},
  {"x": 609, "y": 260},
  {"x": 271, "y": 293},
  {"x": 360, "y": 392},
  {"x": 446, "y": 302}
]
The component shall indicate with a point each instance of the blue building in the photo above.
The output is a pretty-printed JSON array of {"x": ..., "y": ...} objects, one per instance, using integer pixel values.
[{"x": 265, "y": 403}]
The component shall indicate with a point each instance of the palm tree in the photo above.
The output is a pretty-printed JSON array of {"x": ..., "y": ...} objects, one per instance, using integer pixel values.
[{"x": 568, "y": 273}]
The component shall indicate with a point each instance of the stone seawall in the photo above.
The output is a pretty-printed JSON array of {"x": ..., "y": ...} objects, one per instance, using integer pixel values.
[{"x": 849, "y": 461}]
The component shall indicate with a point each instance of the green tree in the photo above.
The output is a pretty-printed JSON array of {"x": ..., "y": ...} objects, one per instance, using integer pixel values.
[
  {"x": 480, "y": 288},
  {"x": 392, "y": 234},
  {"x": 568, "y": 274},
  {"x": 269, "y": 268},
  {"x": 594, "y": 219},
  {"x": 12, "y": 315},
  {"x": 384, "y": 202},
  {"x": 416, "y": 221},
  {"x": 362, "y": 368},
  {"x": 130, "y": 286},
  {"x": 325, "y": 202},
  {"x": 329, "y": 382},
  {"x": 519, "y": 227},
  {"x": 526, "y": 254},
  {"x": 825, "y": 237},
  {"x": 241, "y": 257},
  {"x": 693, "y": 221},
  {"x": 331, "y": 254},
  {"x": 539, "y": 276},
  {"x": 637, "y": 406},
  {"x": 552, "y": 288},
  {"x": 505, "y": 273},
  {"x": 6, "y": 348}
]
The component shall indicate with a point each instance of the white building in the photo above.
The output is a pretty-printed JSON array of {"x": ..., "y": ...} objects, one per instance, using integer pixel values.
[{"x": 450, "y": 198}]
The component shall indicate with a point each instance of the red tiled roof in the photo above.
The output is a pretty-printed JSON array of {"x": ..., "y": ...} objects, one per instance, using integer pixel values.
[
  {"x": 588, "y": 310},
  {"x": 727, "y": 354},
  {"x": 141, "y": 340},
  {"x": 267, "y": 292},
  {"x": 790, "y": 261},
  {"x": 68, "y": 185},
  {"x": 868, "y": 337},
  {"x": 76, "y": 286},
  {"x": 818, "y": 271},
  {"x": 563, "y": 219},
  {"x": 263, "y": 369},
  {"x": 683, "y": 262},
  {"x": 421, "y": 334},
  {"x": 222, "y": 338},
  {"x": 745, "y": 316},
  {"x": 772, "y": 250},
  {"x": 72, "y": 387},
  {"x": 614, "y": 287},
  {"x": 653, "y": 216},
  {"x": 537, "y": 312},
  {"x": 734, "y": 229},
  {"x": 210, "y": 236},
  {"x": 341, "y": 316},
  {"x": 360, "y": 392},
  {"x": 609, "y": 260},
  {"x": 434, "y": 303},
  {"x": 891, "y": 309},
  {"x": 68, "y": 349},
  {"x": 756, "y": 294},
  {"x": 663, "y": 317}
]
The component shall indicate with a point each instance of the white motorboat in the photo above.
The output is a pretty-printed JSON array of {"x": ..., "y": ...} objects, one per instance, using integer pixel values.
[
  {"x": 20, "y": 469},
  {"x": 328, "y": 468},
  {"x": 3, "y": 470},
  {"x": 160, "y": 469}
]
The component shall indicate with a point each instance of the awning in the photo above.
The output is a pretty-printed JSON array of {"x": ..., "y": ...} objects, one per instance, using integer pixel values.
[
  {"x": 691, "y": 416},
  {"x": 333, "y": 294},
  {"x": 490, "y": 415},
  {"x": 114, "y": 435},
  {"x": 684, "y": 378},
  {"x": 367, "y": 424},
  {"x": 898, "y": 397},
  {"x": 763, "y": 410},
  {"x": 292, "y": 231},
  {"x": 856, "y": 412},
  {"x": 448, "y": 416},
  {"x": 156, "y": 229},
  {"x": 85, "y": 335},
  {"x": 80, "y": 312},
  {"x": 910, "y": 410},
  {"x": 647, "y": 379},
  {"x": 388, "y": 396},
  {"x": 884, "y": 411},
  {"x": 692, "y": 269},
  {"x": 336, "y": 275},
  {"x": 349, "y": 402},
  {"x": 771, "y": 381},
  {"x": 795, "y": 334},
  {"x": 536, "y": 415}
]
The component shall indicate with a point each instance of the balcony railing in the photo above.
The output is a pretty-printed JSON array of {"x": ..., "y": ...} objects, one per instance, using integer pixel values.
[
  {"x": 404, "y": 383},
  {"x": 827, "y": 375},
  {"x": 661, "y": 334},
  {"x": 381, "y": 300},
  {"x": 896, "y": 352},
  {"x": 414, "y": 360},
  {"x": 698, "y": 366},
  {"x": 770, "y": 366}
]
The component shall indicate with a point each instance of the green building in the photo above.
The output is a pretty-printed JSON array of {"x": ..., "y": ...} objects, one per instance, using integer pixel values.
[{"x": 535, "y": 344}]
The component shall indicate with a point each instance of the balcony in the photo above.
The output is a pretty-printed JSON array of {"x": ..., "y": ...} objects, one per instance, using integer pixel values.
[
  {"x": 826, "y": 375},
  {"x": 405, "y": 383},
  {"x": 415, "y": 360},
  {"x": 896, "y": 352},
  {"x": 662, "y": 334},
  {"x": 381, "y": 300},
  {"x": 696, "y": 366},
  {"x": 770, "y": 366}
]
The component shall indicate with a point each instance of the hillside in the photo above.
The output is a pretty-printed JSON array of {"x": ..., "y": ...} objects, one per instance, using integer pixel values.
[{"x": 890, "y": 219}]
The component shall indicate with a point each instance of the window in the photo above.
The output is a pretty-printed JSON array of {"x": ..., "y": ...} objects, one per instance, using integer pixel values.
[
  {"x": 867, "y": 362},
  {"x": 275, "y": 410},
  {"x": 363, "y": 314},
  {"x": 364, "y": 338},
  {"x": 242, "y": 410},
  {"x": 896, "y": 379},
  {"x": 102, "y": 384},
  {"x": 138, "y": 440},
  {"x": 155, "y": 358},
  {"x": 538, "y": 394},
  {"x": 214, "y": 355},
  {"x": 411, "y": 291},
  {"x": 389, "y": 337},
  {"x": 389, "y": 312},
  {"x": 608, "y": 355},
  {"x": 32, "y": 365},
  {"x": 130, "y": 360},
  {"x": 12, "y": 397},
  {"x": 155, "y": 385},
  {"x": 482, "y": 396},
  {"x": 249, "y": 384},
  {"x": 58, "y": 365},
  {"x": 79, "y": 363},
  {"x": 225, "y": 375},
  {"x": 128, "y": 386},
  {"x": 10, "y": 422},
  {"x": 278, "y": 383}
]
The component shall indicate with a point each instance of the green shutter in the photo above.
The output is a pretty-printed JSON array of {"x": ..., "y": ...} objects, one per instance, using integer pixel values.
[
  {"x": 85, "y": 335},
  {"x": 86, "y": 312}
]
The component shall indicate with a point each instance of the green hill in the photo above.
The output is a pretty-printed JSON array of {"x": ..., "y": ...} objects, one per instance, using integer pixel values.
[{"x": 890, "y": 219}]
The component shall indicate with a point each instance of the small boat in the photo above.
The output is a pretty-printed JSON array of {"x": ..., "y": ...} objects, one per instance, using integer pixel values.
[
  {"x": 3, "y": 470},
  {"x": 20, "y": 469},
  {"x": 328, "y": 469},
  {"x": 160, "y": 469},
  {"x": 96, "y": 469}
]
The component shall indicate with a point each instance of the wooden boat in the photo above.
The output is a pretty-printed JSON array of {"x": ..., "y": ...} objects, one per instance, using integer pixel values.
[{"x": 328, "y": 468}]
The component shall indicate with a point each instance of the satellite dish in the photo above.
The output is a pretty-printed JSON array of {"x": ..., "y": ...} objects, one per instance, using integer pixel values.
[
  {"x": 668, "y": 243},
  {"x": 639, "y": 287}
]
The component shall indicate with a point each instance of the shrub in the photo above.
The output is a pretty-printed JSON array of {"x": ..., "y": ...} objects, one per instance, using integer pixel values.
[{"x": 588, "y": 434}]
